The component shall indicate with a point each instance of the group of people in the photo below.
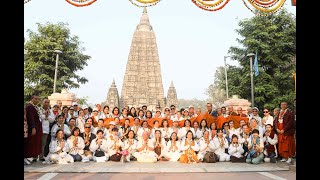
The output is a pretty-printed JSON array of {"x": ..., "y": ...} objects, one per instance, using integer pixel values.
[{"x": 62, "y": 134}]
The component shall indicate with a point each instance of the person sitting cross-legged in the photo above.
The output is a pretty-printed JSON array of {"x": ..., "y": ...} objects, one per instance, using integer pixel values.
[
  {"x": 99, "y": 148},
  {"x": 58, "y": 150}
]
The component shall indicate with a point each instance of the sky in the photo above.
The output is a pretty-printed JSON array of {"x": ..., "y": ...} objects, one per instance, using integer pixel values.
[{"x": 191, "y": 42}]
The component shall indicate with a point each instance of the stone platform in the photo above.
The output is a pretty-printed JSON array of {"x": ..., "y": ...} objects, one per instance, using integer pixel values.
[{"x": 158, "y": 167}]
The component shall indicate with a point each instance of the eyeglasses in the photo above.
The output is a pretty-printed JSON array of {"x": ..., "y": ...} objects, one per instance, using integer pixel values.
[
  {"x": 87, "y": 127},
  {"x": 265, "y": 111},
  {"x": 167, "y": 110}
]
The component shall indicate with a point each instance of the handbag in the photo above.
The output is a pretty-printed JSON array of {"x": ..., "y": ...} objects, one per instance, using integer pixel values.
[
  {"x": 210, "y": 157},
  {"x": 99, "y": 153},
  {"x": 157, "y": 150}
]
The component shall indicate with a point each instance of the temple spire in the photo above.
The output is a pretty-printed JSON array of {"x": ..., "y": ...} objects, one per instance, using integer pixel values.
[{"x": 145, "y": 10}]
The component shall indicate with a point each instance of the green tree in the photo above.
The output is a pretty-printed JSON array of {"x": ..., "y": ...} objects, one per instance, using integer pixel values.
[
  {"x": 39, "y": 65},
  {"x": 273, "y": 37}
]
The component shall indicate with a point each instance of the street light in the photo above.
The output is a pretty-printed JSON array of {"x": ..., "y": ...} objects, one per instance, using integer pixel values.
[
  {"x": 251, "y": 73},
  {"x": 225, "y": 72},
  {"x": 56, "y": 70}
]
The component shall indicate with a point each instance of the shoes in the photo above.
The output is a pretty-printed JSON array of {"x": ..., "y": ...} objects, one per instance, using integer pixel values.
[
  {"x": 283, "y": 160},
  {"x": 289, "y": 160},
  {"x": 273, "y": 160},
  {"x": 26, "y": 161}
]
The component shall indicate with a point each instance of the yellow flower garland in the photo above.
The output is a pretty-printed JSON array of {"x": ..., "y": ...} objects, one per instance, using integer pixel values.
[
  {"x": 209, "y": 4},
  {"x": 147, "y": 1},
  {"x": 280, "y": 4}
]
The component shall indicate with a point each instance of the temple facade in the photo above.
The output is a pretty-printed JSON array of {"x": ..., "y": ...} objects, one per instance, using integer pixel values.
[{"x": 142, "y": 83}]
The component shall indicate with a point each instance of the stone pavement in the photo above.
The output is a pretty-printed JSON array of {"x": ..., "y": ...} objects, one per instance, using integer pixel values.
[{"x": 158, "y": 167}]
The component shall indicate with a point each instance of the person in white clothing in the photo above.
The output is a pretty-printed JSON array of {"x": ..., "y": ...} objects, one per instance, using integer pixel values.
[
  {"x": 172, "y": 150},
  {"x": 47, "y": 117},
  {"x": 60, "y": 125},
  {"x": 105, "y": 113},
  {"x": 114, "y": 145},
  {"x": 130, "y": 145},
  {"x": 241, "y": 122},
  {"x": 213, "y": 130},
  {"x": 159, "y": 144},
  {"x": 189, "y": 148},
  {"x": 58, "y": 150},
  {"x": 165, "y": 130},
  {"x": 76, "y": 144},
  {"x": 220, "y": 144},
  {"x": 175, "y": 128},
  {"x": 145, "y": 149},
  {"x": 185, "y": 129},
  {"x": 255, "y": 146},
  {"x": 100, "y": 127},
  {"x": 197, "y": 131},
  {"x": 267, "y": 118},
  {"x": 255, "y": 114},
  {"x": 156, "y": 126},
  {"x": 232, "y": 129},
  {"x": 144, "y": 128},
  {"x": 254, "y": 125},
  {"x": 235, "y": 150},
  {"x": 136, "y": 125},
  {"x": 270, "y": 140},
  {"x": 80, "y": 121},
  {"x": 205, "y": 145},
  {"x": 99, "y": 147}
]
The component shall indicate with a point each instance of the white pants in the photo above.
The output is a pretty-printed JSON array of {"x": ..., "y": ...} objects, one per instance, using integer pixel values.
[
  {"x": 150, "y": 156},
  {"x": 224, "y": 157},
  {"x": 61, "y": 158}
]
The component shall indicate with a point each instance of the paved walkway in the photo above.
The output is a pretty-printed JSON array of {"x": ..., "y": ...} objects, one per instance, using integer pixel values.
[{"x": 158, "y": 167}]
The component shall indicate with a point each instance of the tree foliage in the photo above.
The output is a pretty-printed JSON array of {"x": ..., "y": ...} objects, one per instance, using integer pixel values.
[
  {"x": 273, "y": 37},
  {"x": 39, "y": 65}
]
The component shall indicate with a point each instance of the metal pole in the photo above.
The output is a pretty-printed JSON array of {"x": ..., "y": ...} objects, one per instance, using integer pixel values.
[
  {"x": 252, "y": 88},
  {"x": 55, "y": 74},
  {"x": 225, "y": 72}
]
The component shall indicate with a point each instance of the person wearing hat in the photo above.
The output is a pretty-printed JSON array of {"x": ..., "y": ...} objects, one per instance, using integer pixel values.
[
  {"x": 166, "y": 113},
  {"x": 95, "y": 117},
  {"x": 76, "y": 109},
  {"x": 157, "y": 114},
  {"x": 255, "y": 114},
  {"x": 86, "y": 112},
  {"x": 158, "y": 109},
  {"x": 55, "y": 110},
  {"x": 185, "y": 114},
  {"x": 191, "y": 112}
]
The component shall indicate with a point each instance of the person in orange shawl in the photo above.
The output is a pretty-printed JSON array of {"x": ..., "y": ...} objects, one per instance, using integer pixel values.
[
  {"x": 284, "y": 125},
  {"x": 189, "y": 148}
]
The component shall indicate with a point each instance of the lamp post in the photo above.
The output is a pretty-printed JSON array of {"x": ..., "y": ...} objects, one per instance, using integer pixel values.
[
  {"x": 225, "y": 73},
  {"x": 56, "y": 70},
  {"x": 250, "y": 55}
]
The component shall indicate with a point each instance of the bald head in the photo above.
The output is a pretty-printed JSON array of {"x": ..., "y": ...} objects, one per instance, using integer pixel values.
[{"x": 45, "y": 103}]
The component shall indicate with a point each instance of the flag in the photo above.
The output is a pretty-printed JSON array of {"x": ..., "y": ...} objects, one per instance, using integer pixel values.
[{"x": 255, "y": 65}]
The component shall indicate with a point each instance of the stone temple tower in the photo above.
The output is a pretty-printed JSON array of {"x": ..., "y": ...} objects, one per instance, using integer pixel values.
[
  {"x": 113, "y": 97},
  {"x": 172, "y": 96},
  {"x": 142, "y": 83}
]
